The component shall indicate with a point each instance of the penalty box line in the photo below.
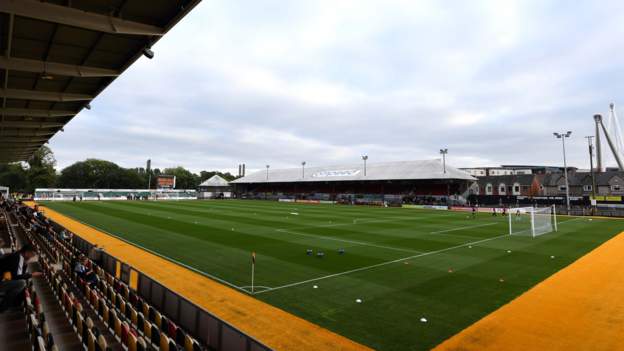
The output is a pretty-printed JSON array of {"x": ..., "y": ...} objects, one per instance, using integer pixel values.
[
  {"x": 429, "y": 253},
  {"x": 362, "y": 243}
]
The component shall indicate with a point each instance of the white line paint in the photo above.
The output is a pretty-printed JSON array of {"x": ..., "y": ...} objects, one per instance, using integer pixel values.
[
  {"x": 462, "y": 228},
  {"x": 363, "y": 243},
  {"x": 383, "y": 264}
]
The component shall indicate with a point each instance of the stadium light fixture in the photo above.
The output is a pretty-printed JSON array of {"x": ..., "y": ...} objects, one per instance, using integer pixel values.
[
  {"x": 147, "y": 52},
  {"x": 365, "y": 158},
  {"x": 303, "y": 169},
  {"x": 443, "y": 152},
  {"x": 563, "y": 136}
]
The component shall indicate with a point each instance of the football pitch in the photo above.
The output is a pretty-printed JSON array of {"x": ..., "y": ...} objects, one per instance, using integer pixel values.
[{"x": 407, "y": 279}]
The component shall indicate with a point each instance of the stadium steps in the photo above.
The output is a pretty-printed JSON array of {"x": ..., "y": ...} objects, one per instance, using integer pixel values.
[
  {"x": 64, "y": 335},
  {"x": 111, "y": 341},
  {"x": 13, "y": 334},
  {"x": 58, "y": 320}
]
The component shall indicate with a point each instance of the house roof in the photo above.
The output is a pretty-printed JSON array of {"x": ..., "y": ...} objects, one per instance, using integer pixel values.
[
  {"x": 56, "y": 58},
  {"x": 582, "y": 178},
  {"x": 522, "y": 179},
  {"x": 401, "y": 170}
]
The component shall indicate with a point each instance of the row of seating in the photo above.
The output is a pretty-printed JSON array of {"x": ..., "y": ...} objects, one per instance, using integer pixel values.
[
  {"x": 135, "y": 324},
  {"x": 88, "y": 333},
  {"x": 36, "y": 325}
]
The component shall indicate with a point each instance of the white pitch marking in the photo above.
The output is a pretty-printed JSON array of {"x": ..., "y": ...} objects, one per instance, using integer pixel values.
[
  {"x": 462, "y": 228},
  {"x": 384, "y": 263},
  {"x": 363, "y": 243}
]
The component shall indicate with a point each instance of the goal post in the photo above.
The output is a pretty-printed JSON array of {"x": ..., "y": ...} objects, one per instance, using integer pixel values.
[{"x": 530, "y": 221}]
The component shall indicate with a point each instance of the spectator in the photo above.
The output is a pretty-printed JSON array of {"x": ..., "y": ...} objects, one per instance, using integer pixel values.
[
  {"x": 13, "y": 267},
  {"x": 65, "y": 235},
  {"x": 84, "y": 271}
]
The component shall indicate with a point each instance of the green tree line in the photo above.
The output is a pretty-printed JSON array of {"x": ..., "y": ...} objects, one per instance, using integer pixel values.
[{"x": 40, "y": 172}]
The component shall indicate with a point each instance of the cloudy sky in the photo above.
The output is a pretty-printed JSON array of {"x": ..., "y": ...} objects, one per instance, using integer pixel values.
[{"x": 278, "y": 82}]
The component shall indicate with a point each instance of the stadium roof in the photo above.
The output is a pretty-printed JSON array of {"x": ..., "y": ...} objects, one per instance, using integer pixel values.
[
  {"x": 216, "y": 181},
  {"x": 401, "y": 170},
  {"x": 55, "y": 58}
]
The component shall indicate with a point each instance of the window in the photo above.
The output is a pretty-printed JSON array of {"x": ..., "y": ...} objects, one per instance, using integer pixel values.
[
  {"x": 615, "y": 187},
  {"x": 587, "y": 187},
  {"x": 488, "y": 189},
  {"x": 502, "y": 189},
  {"x": 516, "y": 189},
  {"x": 562, "y": 188}
]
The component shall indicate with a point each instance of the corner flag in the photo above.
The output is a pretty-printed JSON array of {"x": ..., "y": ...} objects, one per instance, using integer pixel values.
[{"x": 253, "y": 270}]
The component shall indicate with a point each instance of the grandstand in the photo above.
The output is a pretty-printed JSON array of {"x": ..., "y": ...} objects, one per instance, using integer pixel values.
[{"x": 376, "y": 183}]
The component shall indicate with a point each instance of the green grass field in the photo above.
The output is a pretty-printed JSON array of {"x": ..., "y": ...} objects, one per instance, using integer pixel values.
[{"x": 404, "y": 264}]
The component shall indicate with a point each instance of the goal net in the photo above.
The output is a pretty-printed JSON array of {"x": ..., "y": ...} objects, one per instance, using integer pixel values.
[{"x": 529, "y": 221}]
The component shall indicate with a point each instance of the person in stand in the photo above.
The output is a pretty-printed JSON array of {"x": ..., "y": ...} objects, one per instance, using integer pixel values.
[
  {"x": 13, "y": 268},
  {"x": 81, "y": 268}
]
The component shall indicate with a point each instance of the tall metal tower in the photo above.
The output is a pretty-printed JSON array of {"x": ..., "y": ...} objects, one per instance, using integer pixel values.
[{"x": 613, "y": 134}]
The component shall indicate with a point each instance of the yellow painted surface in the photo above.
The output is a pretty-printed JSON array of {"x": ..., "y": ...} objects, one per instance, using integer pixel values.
[
  {"x": 270, "y": 325},
  {"x": 133, "y": 283},
  {"x": 580, "y": 307},
  {"x": 118, "y": 270}
]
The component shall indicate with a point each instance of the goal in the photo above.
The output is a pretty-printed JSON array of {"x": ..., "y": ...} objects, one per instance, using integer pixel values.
[{"x": 530, "y": 221}]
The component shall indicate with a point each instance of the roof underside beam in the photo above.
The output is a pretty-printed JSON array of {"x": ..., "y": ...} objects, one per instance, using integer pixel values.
[
  {"x": 43, "y": 95},
  {"x": 26, "y": 133},
  {"x": 29, "y": 148},
  {"x": 21, "y": 151},
  {"x": 54, "y": 68},
  {"x": 35, "y": 113},
  {"x": 30, "y": 124},
  {"x": 22, "y": 140},
  {"x": 77, "y": 18}
]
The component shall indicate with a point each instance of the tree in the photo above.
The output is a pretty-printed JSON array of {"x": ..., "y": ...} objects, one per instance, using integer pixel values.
[
  {"x": 41, "y": 172},
  {"x": 37, "y": 172},
  {"x": 203, "y": 175},
  {"x": 14, "y": 176},
  {"x": 91, "y": 173}
]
